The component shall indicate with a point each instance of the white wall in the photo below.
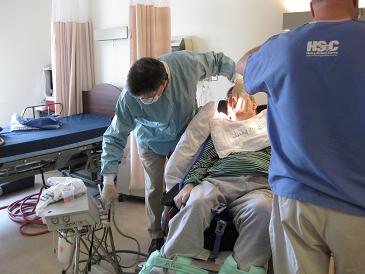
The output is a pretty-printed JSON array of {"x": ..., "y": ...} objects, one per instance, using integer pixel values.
[
  {"x": 303, "y": 5},
  {"x": 111, "y": 57},
  {"x": 25, "y": 49},
  {"x": 230, "y": 26}
]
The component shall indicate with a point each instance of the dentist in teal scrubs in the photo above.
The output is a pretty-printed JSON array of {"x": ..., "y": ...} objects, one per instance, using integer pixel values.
[{"x": 157, "y": 104}]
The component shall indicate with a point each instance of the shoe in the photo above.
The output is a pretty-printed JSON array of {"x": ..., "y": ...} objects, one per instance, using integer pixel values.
[{"x": 156, "y": 244}]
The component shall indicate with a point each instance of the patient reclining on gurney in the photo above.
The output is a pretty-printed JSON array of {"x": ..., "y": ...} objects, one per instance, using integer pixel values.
[{"x": 232, "y": 169}]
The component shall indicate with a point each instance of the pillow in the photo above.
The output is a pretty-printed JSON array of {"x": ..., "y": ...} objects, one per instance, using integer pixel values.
[{"x": 194, "y": 136}]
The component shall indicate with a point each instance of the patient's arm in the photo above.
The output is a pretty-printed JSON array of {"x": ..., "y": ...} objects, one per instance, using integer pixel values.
[
  {"x": 197, "y": 173},
  {"x": 182, "y": 197},
  {"x": 200, "y": 169}
]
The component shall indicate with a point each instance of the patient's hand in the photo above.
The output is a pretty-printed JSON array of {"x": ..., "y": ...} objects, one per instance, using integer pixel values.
[{"x": 182, "y": 197}]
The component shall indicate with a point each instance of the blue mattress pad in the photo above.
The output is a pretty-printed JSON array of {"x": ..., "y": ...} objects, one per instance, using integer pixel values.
[{"x": 75, "y": 129}]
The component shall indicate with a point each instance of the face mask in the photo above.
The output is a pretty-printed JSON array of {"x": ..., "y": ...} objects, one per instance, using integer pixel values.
[
  {"x": 151, "y": 100},
  {"x": 148, "y": 101}
]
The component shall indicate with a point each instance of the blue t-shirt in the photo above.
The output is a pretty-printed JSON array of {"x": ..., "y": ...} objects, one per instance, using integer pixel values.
[{"x": 315, "y": 80}]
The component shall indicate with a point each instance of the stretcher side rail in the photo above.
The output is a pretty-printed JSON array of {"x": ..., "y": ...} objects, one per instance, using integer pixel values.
[
  {"x": 48, "y": 108},
  {"x": 84, "y": 157}
]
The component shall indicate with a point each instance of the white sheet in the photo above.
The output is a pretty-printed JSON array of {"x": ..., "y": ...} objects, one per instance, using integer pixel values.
[{"x": 194, "y": 136}]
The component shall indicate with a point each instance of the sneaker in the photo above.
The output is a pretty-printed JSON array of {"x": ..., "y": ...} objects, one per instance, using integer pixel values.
[{"x": 156, "y": 244}]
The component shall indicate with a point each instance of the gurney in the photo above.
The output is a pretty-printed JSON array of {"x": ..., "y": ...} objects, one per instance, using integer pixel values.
[{"x": 73, "y": 147}]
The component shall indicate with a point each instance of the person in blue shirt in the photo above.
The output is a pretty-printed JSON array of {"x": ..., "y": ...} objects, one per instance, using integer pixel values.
[
  {"x": 314, "y": 77},
  {"x": 157, "y": 104}
]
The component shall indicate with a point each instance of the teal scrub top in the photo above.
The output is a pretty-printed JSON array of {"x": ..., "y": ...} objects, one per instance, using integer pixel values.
[{"x": 159, "y": 126}]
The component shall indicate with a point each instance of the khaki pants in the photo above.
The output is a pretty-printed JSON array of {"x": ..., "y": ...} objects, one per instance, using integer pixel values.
[
  {"x": 303, "y": 237},
  {"x": 153, "y": 165}
]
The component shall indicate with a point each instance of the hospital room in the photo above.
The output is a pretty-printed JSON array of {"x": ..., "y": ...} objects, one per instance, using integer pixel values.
[{"x": 182, "y": 137}]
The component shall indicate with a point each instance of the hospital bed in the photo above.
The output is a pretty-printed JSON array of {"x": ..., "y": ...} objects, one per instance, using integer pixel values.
[{"x": 74, "y": 147}]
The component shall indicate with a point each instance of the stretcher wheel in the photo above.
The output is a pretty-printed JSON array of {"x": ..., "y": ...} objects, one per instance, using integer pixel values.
[{"x": 121, "y": 198}]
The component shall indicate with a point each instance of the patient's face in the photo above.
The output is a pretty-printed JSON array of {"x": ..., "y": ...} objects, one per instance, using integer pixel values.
[{"x": 242, "y": 108}]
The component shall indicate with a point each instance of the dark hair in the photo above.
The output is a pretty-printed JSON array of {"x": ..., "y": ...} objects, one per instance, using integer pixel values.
[
  {"x": 145, "y": 76},
  {"x": 223, "y": 106}
]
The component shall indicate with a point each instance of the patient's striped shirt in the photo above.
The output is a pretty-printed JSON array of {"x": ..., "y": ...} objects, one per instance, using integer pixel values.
[{"x": 234, "y": 165}]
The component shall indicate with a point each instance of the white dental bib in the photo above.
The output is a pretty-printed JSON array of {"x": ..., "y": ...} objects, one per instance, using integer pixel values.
[{"x": 238, "y": 136}]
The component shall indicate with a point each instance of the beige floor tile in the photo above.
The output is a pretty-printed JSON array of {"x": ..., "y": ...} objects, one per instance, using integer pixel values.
[{"x": 34, "y": 255}]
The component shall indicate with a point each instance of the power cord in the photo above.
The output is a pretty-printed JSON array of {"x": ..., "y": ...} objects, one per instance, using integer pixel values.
[
  {"x": 138, "y": 252},
  {"x": 23, "y": 212},
  {"x": 99, "y": 249}
]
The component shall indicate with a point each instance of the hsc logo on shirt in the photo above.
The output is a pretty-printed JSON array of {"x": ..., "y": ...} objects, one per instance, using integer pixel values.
[{"x": 323, "y": 48}]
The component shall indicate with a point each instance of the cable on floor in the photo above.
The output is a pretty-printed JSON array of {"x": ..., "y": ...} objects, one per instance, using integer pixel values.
[
  {"x": 23, "y": 212},
  {"x": 138, "y": 252}
]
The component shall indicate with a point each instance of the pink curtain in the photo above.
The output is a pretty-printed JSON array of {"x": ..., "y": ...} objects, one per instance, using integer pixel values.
[
  {"x": 150, "y": 28},
  {"x": 73, "y": 63},
  {"x": 150, "y": 31}
]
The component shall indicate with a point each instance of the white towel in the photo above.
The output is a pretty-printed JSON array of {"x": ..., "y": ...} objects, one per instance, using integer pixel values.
[
  {"x": 238, "y": 136},
  {"x": 54, "y": 192}
]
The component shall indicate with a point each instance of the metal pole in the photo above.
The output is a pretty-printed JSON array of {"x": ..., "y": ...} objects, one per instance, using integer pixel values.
[
  {"x": 77, "y": 251},
  {"x": 114, "y": 254}
]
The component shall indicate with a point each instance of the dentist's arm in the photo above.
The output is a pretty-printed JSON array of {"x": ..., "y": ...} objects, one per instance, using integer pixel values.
[
  {"x": 212, "y": 64},
  {"x": 109, "y": 192},
  {"x": 114, "y": 142}
]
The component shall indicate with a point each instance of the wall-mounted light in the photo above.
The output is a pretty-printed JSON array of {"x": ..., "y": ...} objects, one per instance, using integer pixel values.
[
  {"x": 297, "y": 5},
  {"x": 111, "y": 33}
]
